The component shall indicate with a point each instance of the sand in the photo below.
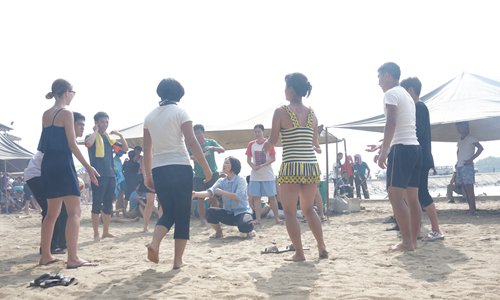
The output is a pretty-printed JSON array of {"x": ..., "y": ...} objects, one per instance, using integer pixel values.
[{"x": 465, "y": 265}]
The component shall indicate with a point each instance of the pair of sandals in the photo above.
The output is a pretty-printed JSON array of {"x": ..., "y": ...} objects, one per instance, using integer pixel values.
[{"x": 49, "y": 280}]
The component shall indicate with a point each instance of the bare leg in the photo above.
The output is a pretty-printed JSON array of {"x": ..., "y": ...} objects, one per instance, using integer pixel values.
[
  {"x": 256, "y": 206},
  {"x": 53, "y": 210},
  {"x": 180, "y": 246},
  {"x": 27, "y": 207},
  {"x": 121, "y": 200},
  {"x": 148, "y": 210},
  {"x": 201, "y": 211},
  {"x": 73, "y": 209},
  {"x": 415, "y": 211},
  {"x": 274, "y": 207},
  {"x": 431, "y": 212},
  {"x": 308, "y": 195},
  {"x": 318, "y": 202},
  {"x": 470, "y": 197},
  {"x": 154, "y": 247},
  {"x": 218, "y": 230},
  {"x": 125, "y": 206},
  {"x": 95, "y": 226},
  {"x": 35, "y": 204},
  {"x": 160, "y": 211},
  {"x": 106, "y": 219},
  {"x": 289, "y": 194},
  {"x": 402, "y": 214}
]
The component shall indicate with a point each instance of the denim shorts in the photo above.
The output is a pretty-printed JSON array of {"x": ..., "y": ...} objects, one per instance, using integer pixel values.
[
  {"x": 262, "y": 188},
  {"x": 465, "y": 174}
]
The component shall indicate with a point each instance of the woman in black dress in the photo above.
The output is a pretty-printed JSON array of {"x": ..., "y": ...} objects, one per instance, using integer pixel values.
[{"x": 58, "y": 143}]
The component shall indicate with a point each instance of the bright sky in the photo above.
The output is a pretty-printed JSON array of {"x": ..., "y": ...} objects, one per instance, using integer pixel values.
[{"x": 232, "y": 56}]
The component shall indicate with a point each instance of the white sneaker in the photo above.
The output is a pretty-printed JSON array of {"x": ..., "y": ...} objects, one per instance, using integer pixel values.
[
  {"x": 251, "y": 234},
  {"x": 434, "y": 236}
]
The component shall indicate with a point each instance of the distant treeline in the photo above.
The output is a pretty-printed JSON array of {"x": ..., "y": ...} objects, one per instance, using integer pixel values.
[{"x": 488, "y": 164}]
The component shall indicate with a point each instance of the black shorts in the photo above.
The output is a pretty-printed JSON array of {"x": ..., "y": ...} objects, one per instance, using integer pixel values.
[
  {"x": 424, "y": 197},
  {"x": 403, "y": 166},
  {"x": 103, "y": 195},
  {"x": 199, "y": 185}
]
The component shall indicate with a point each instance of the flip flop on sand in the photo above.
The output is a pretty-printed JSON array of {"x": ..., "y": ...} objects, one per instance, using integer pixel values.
[
  {"x": 50, "y": 262},
  {"x": 82, "y": 264},
  {"x": 40, "y": 279},
  {"x": 276, "y": 250},
  {"x": 270, "y": 249},
  {"x": 49, "y": 280}
]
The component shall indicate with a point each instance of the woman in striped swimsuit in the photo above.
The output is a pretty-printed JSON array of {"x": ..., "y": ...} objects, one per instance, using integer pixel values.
[{"x": 299, "y": 173}]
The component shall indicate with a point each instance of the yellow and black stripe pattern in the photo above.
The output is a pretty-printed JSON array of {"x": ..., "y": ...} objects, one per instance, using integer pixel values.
[{"x": 299, "y": 163}]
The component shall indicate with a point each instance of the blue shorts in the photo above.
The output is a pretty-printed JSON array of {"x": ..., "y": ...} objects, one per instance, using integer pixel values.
[
  {"x": 403, "y": 166},
  {"x": 465, "y": 174},
  {"x": 262, "y": 188}
]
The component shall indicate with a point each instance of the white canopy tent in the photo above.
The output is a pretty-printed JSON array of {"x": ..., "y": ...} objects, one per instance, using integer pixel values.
[
  {"x": 467, "y": 97},
  {"x": 233, "y": 136},
  {"x": 13, "y": 158}
]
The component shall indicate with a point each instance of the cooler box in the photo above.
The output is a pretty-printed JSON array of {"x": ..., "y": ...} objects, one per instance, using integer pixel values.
[{"x": 346, "y": 205}]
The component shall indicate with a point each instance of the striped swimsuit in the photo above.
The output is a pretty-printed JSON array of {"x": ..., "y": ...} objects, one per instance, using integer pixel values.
[{"x": 299, "y": 164}]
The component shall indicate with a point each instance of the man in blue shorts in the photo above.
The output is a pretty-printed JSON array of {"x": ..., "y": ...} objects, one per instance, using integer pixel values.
[
  {"x": 400, "y": 153},
  {"x": 466, "y": 153}
]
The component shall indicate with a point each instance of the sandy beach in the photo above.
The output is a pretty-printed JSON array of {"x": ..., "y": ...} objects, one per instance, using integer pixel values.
[{"x": 463, "y": 266}]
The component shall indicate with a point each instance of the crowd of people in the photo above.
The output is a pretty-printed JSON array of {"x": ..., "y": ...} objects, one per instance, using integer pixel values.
[{"x": 176, "y": 166}]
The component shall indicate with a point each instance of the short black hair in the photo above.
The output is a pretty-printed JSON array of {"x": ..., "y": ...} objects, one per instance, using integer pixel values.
[
  {"x": 100, "y": 115},
  {"x": 131, "y": 154},
  {"x": 463, "y": 124},
  {"x": 235, "y": 164},
  {"x": 170, "y": 89},
  {"x": 138, "y": 148},
  {"x": 259, "y": 126},
  {"x": 78, "y": 116},
  {"x": 199, "y": 127},
  {"x": 391, "y": 68},
  {"x": 412, "y": 82}
]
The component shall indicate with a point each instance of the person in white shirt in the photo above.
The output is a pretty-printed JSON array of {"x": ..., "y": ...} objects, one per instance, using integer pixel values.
[
  {"x": 469, "y": 149},
  {"x": 262, "y": 179},
  {"x": 168, "y": 129},
  {"x": 403, "y": 161}
]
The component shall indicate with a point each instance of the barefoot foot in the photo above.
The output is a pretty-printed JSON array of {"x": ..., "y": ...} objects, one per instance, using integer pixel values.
[
  {"x": 107, "y": 235},
  {"x": 153, "y": 254},
  {"x": 401, "y": 247},
  {"x": 177, "y": 266},
  {"x": 48, "y": 261},
  {"x": 295, "y": 258}
]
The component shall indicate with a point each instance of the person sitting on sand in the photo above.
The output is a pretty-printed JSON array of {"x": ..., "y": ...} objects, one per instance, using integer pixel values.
[{"x": 235, "y": 209}]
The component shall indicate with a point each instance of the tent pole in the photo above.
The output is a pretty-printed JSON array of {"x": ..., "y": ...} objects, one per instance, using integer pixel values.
[{"x": 327, "y": 174}]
